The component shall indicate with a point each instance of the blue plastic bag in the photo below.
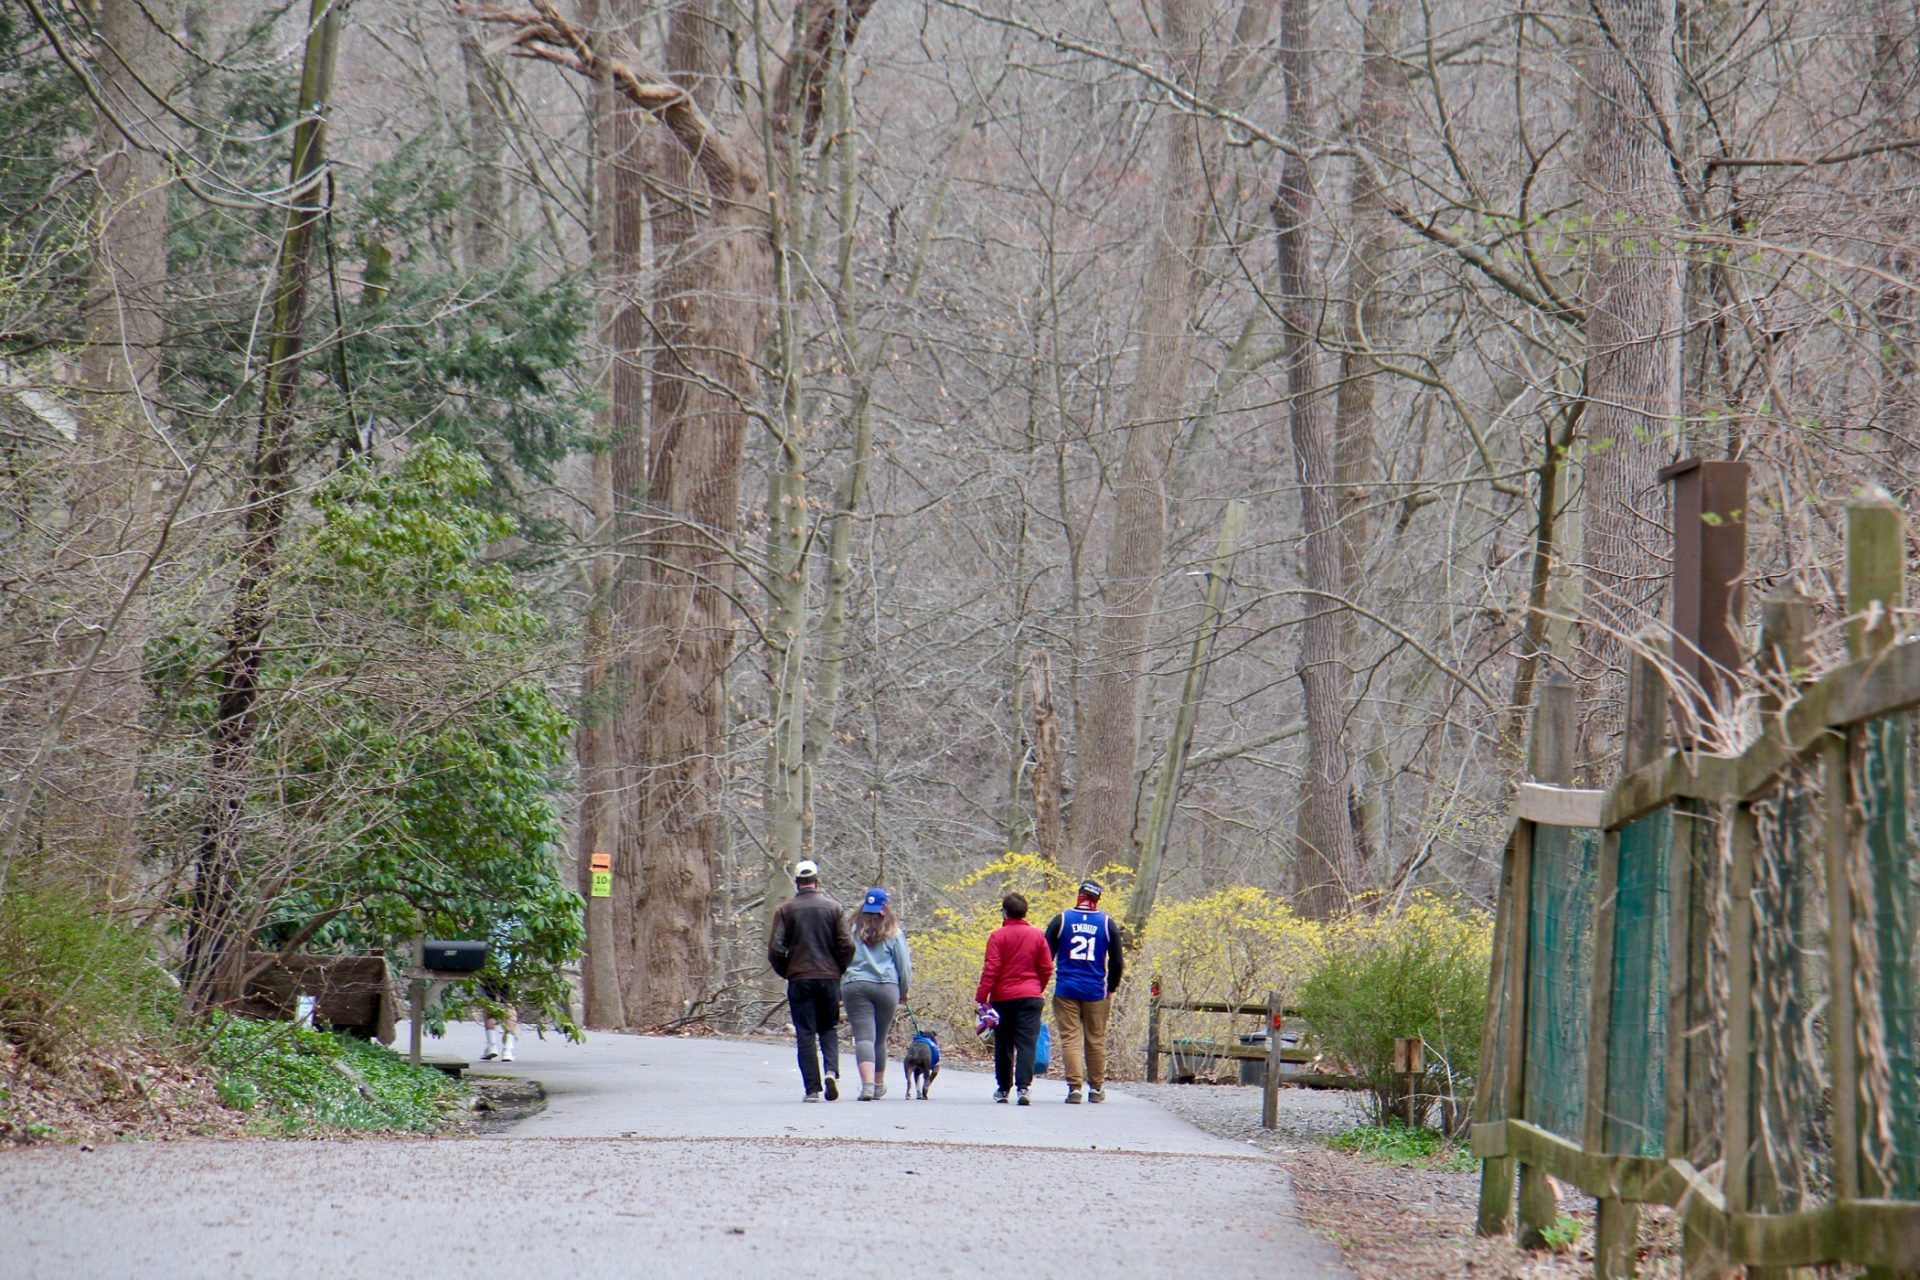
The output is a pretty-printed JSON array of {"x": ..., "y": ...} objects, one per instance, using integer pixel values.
[{"x": 1043, "y": 1051}]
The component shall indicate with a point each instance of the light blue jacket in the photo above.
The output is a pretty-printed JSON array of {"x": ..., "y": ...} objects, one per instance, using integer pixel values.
[{"x": 891, "y": 961}]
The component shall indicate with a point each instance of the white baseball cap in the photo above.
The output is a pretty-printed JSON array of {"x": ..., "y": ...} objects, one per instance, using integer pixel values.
[{"x": 806, "y": 869}]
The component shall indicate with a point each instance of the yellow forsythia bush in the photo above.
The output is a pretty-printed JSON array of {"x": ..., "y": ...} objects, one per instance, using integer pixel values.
[
  {"x": 1234, "y": 945},
  {"x": 947, "y": 953}
]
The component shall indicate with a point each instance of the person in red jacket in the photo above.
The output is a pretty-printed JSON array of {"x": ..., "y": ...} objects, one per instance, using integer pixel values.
[{"x": 1013, "y": 979}]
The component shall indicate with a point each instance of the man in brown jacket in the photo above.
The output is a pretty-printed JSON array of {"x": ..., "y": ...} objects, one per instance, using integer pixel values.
[{"x": 810, "y": 946}]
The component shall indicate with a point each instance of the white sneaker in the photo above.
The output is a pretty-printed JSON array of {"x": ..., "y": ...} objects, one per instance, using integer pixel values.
[{"x": 506, "y": 1049}]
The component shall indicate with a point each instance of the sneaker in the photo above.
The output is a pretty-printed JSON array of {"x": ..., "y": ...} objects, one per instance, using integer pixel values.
[
  {"x": 489, "y": 1055},
  {"x": 833, "y": 1089},
  {"x": 812, "y": 1097},
  {"x": 999, "y": 1095},
  {"x": 879, "y": 1089},
  {"x": 866, "y": 1093},
  {"x": 1025, "y": 1100},
  {"x": 1096, "y": 1095},
  {"x": 1073, "y": 1097}
]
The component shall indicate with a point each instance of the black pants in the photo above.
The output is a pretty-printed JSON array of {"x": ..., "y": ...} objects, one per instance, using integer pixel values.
[
  {"x": 1014, "y": 1042},
  {"x": 815, "y": 1003}
]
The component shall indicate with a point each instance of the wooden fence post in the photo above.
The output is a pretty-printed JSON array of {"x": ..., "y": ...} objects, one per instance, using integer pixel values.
[
  {"x": 1785, "y": 622},
  {"x": 1270, "y": 1086},
  {"x": 1876, "y": 859},
  {"x": 1550, "y": 758},
  {"x": 1153, "y": 1036},
  {"x": 1617, "y": 1222}
]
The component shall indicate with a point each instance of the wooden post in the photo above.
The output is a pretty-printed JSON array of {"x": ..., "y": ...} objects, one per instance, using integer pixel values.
[
  {"x": 1842, "y": 1016},
  {"x": 1876, "y": 586},
  {"x": 1876, "y": 574},
  {"x": 1737, "y": 1150},
  {"x": 1270, "y": 1087},
  {"x": 417, "y": 997},
  {"x": 1617, "y": 1222},
  {"x": 1496, "y": 1175},
  {"x": 1785, "y": 623},
  {"x": 1409, "y": 1064},
  {"x": 1153, "y": 1036},
  {"x": 1550, "y": 759},
  {"x": 1709, "y": 565}
]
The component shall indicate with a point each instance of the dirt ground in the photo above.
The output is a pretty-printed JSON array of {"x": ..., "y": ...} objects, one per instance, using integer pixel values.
[
  {"x": 106, "y": 1096},
  {"x": 1404, "y": 1222}
]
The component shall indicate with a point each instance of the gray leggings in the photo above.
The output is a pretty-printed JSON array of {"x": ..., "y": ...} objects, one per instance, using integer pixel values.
[{"x": 870, "y": 1008}]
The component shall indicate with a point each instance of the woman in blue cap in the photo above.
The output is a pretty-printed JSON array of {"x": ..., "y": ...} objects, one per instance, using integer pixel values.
[{"x": 874, "y": 987}]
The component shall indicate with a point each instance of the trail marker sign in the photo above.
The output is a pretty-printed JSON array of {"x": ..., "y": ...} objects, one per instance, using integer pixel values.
[{"x": 601, "y": 866}]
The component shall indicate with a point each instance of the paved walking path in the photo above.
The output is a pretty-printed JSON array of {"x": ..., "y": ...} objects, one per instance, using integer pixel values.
[{"x": 685, "y": 1158}]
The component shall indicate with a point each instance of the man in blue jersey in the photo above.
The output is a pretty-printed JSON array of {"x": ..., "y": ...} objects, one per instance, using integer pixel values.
[{"x": 1087, "y": 963}]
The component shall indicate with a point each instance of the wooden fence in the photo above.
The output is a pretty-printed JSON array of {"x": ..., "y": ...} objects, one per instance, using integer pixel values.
[
  {"x": 1704, "y": 977},
  {"x": 1272, "y": 1017}
]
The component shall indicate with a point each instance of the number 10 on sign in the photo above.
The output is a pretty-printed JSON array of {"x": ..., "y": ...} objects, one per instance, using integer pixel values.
[{"x": 601, "y": 865}]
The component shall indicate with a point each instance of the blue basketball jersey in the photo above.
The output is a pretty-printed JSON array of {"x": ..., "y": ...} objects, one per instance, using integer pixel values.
[{"x": 1081, "y": 968}]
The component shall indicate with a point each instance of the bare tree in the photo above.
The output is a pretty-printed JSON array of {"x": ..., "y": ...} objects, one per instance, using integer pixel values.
[
  {"x": 1634, "y": 321},
  {"x": 1325, "y": 866},
  {"x": 125, "y": 321}
]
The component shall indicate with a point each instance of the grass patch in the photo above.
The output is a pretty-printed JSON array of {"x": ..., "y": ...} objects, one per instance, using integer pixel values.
[
  {"x": 297, "y": 1081},
  {"x": 1396, "y": 1144}
]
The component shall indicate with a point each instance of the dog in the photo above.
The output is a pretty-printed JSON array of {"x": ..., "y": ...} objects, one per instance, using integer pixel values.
[{"x": 922, "y": 1062}]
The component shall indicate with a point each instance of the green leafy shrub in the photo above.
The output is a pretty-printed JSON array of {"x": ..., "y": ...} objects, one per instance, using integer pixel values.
[
  {"x": 301, "y": 1081},
  {"x": 1563, "y": 1234},
  {"x": 1417, "y": 970},
  {"x": 70, "y": 979}
]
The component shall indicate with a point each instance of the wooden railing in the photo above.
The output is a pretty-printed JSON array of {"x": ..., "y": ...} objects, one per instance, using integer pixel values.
[
  {"x": 1833, "y": 757},
  {"x": 1275, "y": 1019}
]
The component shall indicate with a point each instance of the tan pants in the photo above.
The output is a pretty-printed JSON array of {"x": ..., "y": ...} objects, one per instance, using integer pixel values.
[{"x": 1086, "y": 1058}]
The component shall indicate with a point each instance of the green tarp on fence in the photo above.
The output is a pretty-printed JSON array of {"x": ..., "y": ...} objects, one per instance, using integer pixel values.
[
  {"x": 1637, "y": 1038},
  {"x": 1559, "y": 977}
]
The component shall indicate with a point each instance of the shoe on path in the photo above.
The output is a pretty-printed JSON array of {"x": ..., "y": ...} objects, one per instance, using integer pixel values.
[
  {"x": 866, "y": 1093},
  {"x": 879, "y": 1088},
  {"x": 812, "y": 1097},
  {"x": 833, "y": 1089},
  {"x": 1096, "y": 1095},
  {"x": 1073, "y": 1097},
  {"x": 1025, "y": 1100},
  {"x": 999, "y": 1095},
  {"x": 489, "y": 1055}
]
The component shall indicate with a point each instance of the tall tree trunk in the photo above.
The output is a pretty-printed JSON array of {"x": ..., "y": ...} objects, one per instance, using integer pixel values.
[
  {"x": 97, "y": 821},
  {"x": 1107, "y": 753},
  {"x": 713, "y": 275},
  {"x": 1324, "y": 872},
  {"x": 1366, "y": 317},
  {"x": 485, "y": 207},
  {"x": 1380, "y": 128},
  {"x": 621, "y": 151},
  {"x": 1634, "y": 322},
  {"x": 214, "y": 946},
  {"x": 715, "y": 285}
]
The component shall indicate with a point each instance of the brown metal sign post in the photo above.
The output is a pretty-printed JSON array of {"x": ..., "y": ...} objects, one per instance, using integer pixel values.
[{"x": 1709, "y": 568}]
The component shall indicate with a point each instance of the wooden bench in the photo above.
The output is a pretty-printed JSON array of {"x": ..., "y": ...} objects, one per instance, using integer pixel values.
[{"x": 352, "y": 994}]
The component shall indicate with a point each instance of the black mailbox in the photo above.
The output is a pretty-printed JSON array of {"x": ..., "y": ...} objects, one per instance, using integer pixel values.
[{"x": 455, "y": 957}]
